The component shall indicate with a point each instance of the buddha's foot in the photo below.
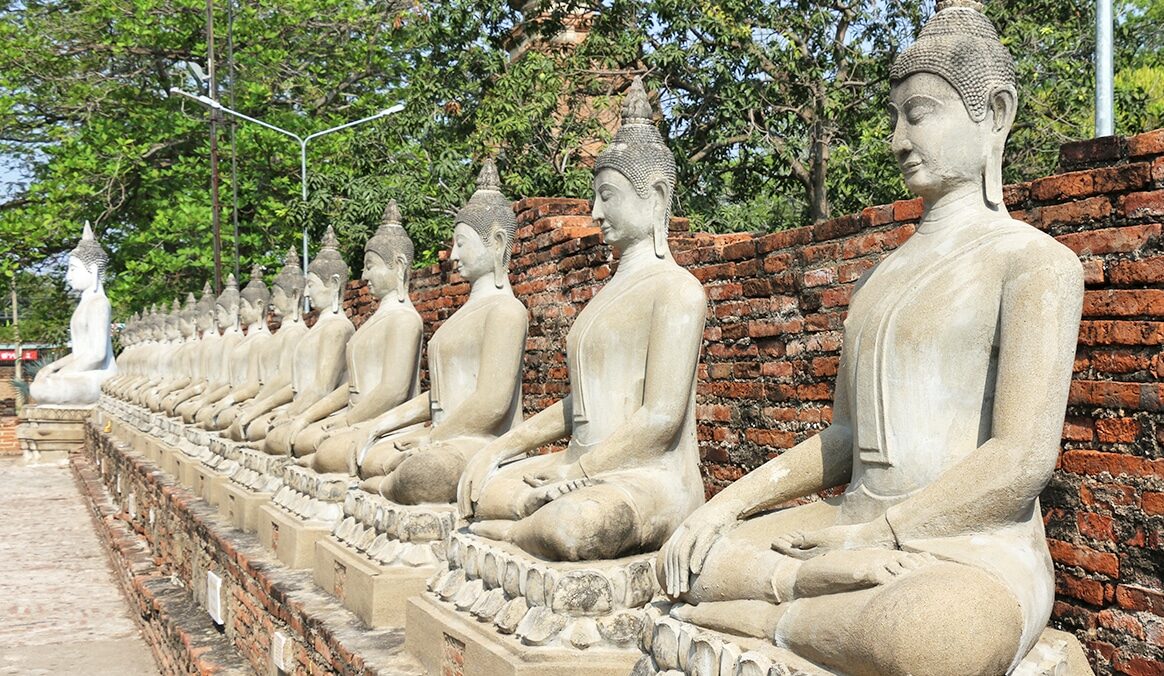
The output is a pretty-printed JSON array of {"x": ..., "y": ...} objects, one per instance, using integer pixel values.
[
  {"x": 497, "y": 529},
  {"x": 851, "y": 569},
  {"x": 373, "y": 485},
  {"x": 305, "y": 460},
  {"x": 548, "y": 493},
  {"x": 757, "y": 619}
]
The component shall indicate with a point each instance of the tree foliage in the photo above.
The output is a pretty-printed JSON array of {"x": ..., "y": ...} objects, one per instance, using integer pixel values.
[{"x": 775, "y": 110}]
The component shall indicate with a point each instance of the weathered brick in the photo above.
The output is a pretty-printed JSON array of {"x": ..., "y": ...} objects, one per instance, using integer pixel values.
[
  {"x": 1111, "y": 240},
  {"x": 1124, "y": 303},
  {"x": 1117, "y": 430},
  {"x": 1108, "y": 332},
  {"x": 1070, "y": 213},
  {"x": 908, "y": 210},
  {"x": 1088, "y": 591},
  {"x": 1092, "y": 151},
  {"x": 1095, "y": 463},
  {"x": 1141, "y": 272},
  {"x": 1143, "y": 204},
  {"x": 1146, "y": 144},
  {"x": 1153, "y": 503},
  {"x": 1091, "y": 560}
]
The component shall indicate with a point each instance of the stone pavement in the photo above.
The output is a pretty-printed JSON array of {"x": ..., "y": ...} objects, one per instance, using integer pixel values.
[{"x": 60, "y": 609}]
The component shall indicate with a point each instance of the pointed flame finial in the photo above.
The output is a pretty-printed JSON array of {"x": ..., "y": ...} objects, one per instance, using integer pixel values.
[{"x": 488, "y": 179}]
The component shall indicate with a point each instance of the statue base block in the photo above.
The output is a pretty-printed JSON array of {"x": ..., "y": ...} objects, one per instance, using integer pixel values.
[
  {"x": 240, "y": 506},
  {"x": 55, "y": 430},
  {"x": 675, "y": 647},
  {"x": 446, "y": 641},
  {"x": 292, "y": 539},
  {"x": 377, "y": 594}
]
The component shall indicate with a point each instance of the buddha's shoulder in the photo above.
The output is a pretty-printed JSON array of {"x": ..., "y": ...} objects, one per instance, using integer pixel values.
[
  {"x": 504, "y": 305},
  {"x": 679, "y": 282},
  {"x": 1031, "y": 248}
]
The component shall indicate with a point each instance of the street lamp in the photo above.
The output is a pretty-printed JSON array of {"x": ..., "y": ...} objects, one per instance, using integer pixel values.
[{"x": 303, "y": 140}]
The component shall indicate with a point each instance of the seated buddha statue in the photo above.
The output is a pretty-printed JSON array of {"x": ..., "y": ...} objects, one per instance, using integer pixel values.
[
  {"x": 216, "y": 367},
  {"x": 277, "y": 356},
  {"x": 244, "y": 359},
  {"x": 129, "y": 379},
  {"x": 317, "y": 365},
  {"x": 75, "y": 379},
  {"x": 630, "y": 472},
  {"x": 949, "y": 404},
  {"x": 415, "y": 452},
  {"x": 177, "y": 359},
  {"x": 383, "y": 356}
]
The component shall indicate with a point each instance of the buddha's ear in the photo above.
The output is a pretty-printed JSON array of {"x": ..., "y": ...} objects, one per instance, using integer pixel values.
[
  {"x": 497, "y": 246},
  {"x": 1003, "y": 106},
  {"x": 336, "y": 294},
  {"x": 660, "y": 217},
  {"x": 401, "y": 277}
]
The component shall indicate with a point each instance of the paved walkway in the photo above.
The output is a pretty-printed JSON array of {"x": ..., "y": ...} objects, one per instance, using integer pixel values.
[{"x": 60, "y": 609}]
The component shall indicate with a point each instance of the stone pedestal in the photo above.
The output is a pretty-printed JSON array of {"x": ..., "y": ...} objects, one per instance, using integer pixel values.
[
  {"x": 381, "y": 554},
  {"x": 252, "y": 484},
  {"x": 674, "y": 647},
  {"x": 498, "y": 610},
  {"x": 303, "y": 511},
  {"x": 46, "y": 431},
  {"x": 216, "y": 468}
]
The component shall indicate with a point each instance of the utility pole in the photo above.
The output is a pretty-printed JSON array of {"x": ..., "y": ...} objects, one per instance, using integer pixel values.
[
  {"x": 215, "y": 207},
  {"x": 1104, "y": 68},
  {"x": 19, "y": 348}
]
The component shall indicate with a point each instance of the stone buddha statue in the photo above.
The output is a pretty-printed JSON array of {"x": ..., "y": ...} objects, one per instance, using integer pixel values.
[
  {"x": 216, "y": 362},
  {"x": 209, "y": 350},
  {"x": 630, "y": 472},
  {"x": 75, "y": 379},
  {"x": 186, "y": 330},
  {"x": 174, "y": 365},
  {"x": 317, "y": 364},
  {"x": 415, "y": 452},
  {"x": 270, "y": 365},
  {"x": 949, "y": 403},
  {"x": 244, "y": 359},
  {"x": 134, "y": 339},
  {"x": 383, "y": 356}
]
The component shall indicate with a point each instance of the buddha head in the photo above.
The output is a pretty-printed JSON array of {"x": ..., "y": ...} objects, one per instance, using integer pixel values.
[
  {"x": 484, "y": 231},
  {"x": 388, "y": 257},
  {"x": 327, "y": 274},
  {"x": 634, "y": 179},
  {"x": 254, "y": 299},
  {"x": 953, "y": 98},
  {"x": 189, "y": 316},
  {"x": 288, "y": 286},
  {"x": 173, "y": 321},
  {"x": 226, "y": 306},
  {"x": 86, "y": 263},
  {"x": 204, "y": 319}
]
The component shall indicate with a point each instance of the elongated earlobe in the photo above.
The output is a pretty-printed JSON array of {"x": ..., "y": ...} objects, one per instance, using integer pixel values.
[
  {"x": 662, "y": 220},
  {"x": 499, "y": 271},
  {"x": 1003, "y": 104},
  {"x": 335, "y": 296},
  {"x": 401, "y": 279}
]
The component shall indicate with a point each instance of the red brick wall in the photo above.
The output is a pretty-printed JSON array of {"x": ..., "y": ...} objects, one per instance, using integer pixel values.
[{"x": 773, "y": 338}]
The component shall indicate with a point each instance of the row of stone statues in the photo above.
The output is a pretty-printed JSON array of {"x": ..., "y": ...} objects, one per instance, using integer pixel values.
[{"x": 950, "y": 395}]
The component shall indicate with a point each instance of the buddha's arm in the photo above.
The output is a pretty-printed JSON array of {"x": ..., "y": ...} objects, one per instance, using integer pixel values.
[
  {"x": 330, "y": 403},
  {"x": 502, "y": 348},
  {"x": 996, "y": 483},
  {"x": 547, "y": 426},
  {"x": 278, "y": 398},
  {"x": 401, "y": 350},
  {"x": 677, "y": 321},
  {"x": 416, "y": 410},
  {"x": 331, "y": 368},
  {"x": 246, "y": 391}
]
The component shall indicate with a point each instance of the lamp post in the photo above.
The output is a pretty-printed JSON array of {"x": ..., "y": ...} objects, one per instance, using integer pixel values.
[
  {"x": 302, "y": 140},
  {"x": 1104, "y": 98}
]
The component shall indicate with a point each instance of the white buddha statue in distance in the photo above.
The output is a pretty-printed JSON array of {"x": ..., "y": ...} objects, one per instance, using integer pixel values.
[{"x": 75, "y": 380}]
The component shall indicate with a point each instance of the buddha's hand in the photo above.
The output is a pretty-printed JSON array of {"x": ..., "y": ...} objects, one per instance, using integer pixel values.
[
  {"x": 477, "y": 471},
  {"x": 686, "y": 551},
  {"x": 875, "y": 534},
  {"x": 412, "y": 441},
  {"x": 563, "y": 472}
]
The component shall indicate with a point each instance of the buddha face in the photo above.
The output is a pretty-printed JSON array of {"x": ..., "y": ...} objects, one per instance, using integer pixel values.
[
  {"x": 224, "y": 316},
  {"x": 79, "y": 276},
  {"x": 248, "y": 312},
  {"x": 318, "y": 291},
  {"x": 186, "y": 323},
  {"x": 938, "y": 148},
  {"x": 623, "y": 216},
  {"x": 381, "y": 276},
  {"x": 474, "y": 259},
  {"x": 281, "y": 302},
  {"x": 205, "y": 321}
]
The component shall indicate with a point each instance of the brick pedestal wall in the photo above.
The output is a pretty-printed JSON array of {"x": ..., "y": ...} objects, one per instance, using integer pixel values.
[{"x": 773, "y": 338}]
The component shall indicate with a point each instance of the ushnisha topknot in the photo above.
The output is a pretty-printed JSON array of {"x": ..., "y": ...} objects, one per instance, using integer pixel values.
[
  {"x": 290, "y": 278},
  {"x": 328, "y": 261},
  {"x": 206, "y": 303},
  {"x": 229, "y": 295},
  {"x": 488, "y": 208},
  {"x": 256, "y": 292},
  {"x": 89, "y": 251},
  {"x": 960, "y": 45},
  {"x": 391, "y": 238},
  {"x": 190, "y": 310},
  {"x": 637, "y": 150}
]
